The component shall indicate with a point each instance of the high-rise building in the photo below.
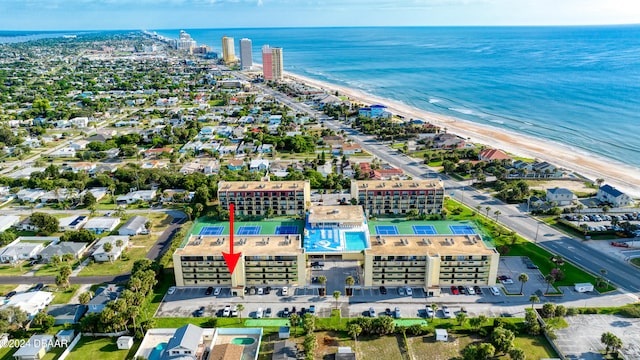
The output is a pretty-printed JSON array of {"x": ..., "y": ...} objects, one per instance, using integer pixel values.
[
  {"x": 267, "y": 63},
  {"x": 277, "y": 64},
  {"x": 185, "y": 43},
  {"x": 228, "y": 50},
  {"x": 398, "y": 196},
  {"x": 246, "y": 61}
]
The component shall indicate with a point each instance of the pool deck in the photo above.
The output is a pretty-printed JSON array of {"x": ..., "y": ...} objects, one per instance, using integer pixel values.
[{"x": 225, "y": 341}]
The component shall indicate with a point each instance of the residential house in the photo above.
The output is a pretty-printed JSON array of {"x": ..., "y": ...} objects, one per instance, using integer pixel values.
[
  {"x": 57, "y": 195},
  {"x": 265, "y": 148},
  {"x": 78, "y": 144},
  {"x": 259, "y": 165},
  {"x": 493, "y": 155},
  {"x": 7, "y": 221},
  {"x": 448, "y": 141},
  {"x": 101, "y": 255},
  {"x": 79, "y": 122},
  {"x": 25, "y": 225},
  {"x": 211, "y": 167},
  {"x": 224, "y": 131},
  {"x": 545, "y": 169},
  {"x": 65, "y": 336},
  {"x": 35, "y": 348},
  {"x": 347, "y": 169},
  {"x": 613, "y": 196},
  {"x": 279, "y": 169},
  {"x": 325, "y": 169},
  {"x": 97, "y": 192},
  {"x": 186, "y": 341},
  {"x": 102, "y": 297},
  {"x": 135, "y": 196},
  {"x": 17, "y": 251},
  {"x": 157, "y": 152},
  {"x": 62, "y": 248},
  {"x": 206, "y": 131},
  {"x": 65, "y": 152},
  {"x": 227, "y": 149},
  {"x": 176, "y": 195},
  {"x": 67, "y": 313},
  {"x": 350, "y": 149},
  {"x": 30, "y": 195},
  {"x": 31, "y": 302},
  {"x": 561, "y": 196},
  {"x": 75, "y": 222},
  {"x": 102, "y": 224},
  {"x": 333, "y": 140},
  {"x": 134, "y": 226},
  {"x": 374, "y": 111},
  {"x": 235, "y": 164},
  {"x": 386, "y": 174},
  {"x": 77, "y": 167},
  {"x": 191, "y": 167}
]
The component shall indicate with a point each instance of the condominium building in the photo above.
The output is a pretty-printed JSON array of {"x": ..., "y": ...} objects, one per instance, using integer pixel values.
[
  {"x": 278, "y": 64},
  {"x": 246, "y": 60},
  {"x": 228, "y": 50},
  {"x": 399, "y": 196},
  {"x": 185, "y": 42},
  {"x": 429, "y": 261},
  {"x": 257, "y": 198},
  {"x": 265, "y": 259},
  {"x": 267, "y": 63}
]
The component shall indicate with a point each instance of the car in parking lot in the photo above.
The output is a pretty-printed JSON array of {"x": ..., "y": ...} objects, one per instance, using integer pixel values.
[
  {"x": 199, "y": 312},
  {"x": 401, "y": 291},
  {"x": 209, "y": 290},
  {"x": 260, "y": 291},
  {"x": 10, "y": 294},
  {"x": 470, "y": 290},
  {"x": 259, "y": 313},
  {"x": 312, "y": 309},
  {"x": 495, "y": 291},
  {"x": 267, "y": 312},
  {"x": 507, "y": 281},
  {"x": 409, "y": 291},
  {"x": 372, "y": 312},
  {"x": 396, "y": 313},
  {"x": 454, "y": 290},
  {"x": 267, "y": 290},
  {"x": 478, "y": 290},
  {"x": 216, "y": 292},
  {"x": 285, "y": 312},
  {"x": 171, "y": 290},
  {"x": 429, "y": 311},
  {"x": 383, "y": 290},
  {"x": 234, "y": 311},
  {"x": 461, "y": 289},
  {"x": 446, "y": 312},
  {"x": 284, "y": 291},
  {"x": 226, "y": 312}
]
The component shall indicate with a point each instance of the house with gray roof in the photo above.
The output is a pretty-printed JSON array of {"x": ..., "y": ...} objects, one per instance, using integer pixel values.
[
  {"x": 613, "y": 196},
  {"x": 134, "y": 226},
  {"x": 561, "y": 196},
  {"x": 66, "y": 313},
  {"x": 35, "y": 348},
  {"x": 65, "y": 247},
  {"x": 18, "y": 250},
  {"x": 100, "y": 255},
  {"x": 102, "y": 297},
  {"x": 184, "y": 342}
]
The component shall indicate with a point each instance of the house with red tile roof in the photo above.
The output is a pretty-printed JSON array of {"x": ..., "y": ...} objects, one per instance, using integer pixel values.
[{"x": 493, "y": 155}]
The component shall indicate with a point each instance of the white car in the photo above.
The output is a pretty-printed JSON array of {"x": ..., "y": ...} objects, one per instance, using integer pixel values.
[
  {"x": 429, "y": 311},
  {"x": 171, "y": 290},
  {"x": 495, "y": 291},
  {"x": 409, "y": 291},
  {"x": 285, "y": 291},
  {"x": 259, "y": 313},
  {"x": 234, "y": 311},
  {"x": 260, "y": 291},
  {"x": 470, "y": 290},
  {"x": 226, "y": 312},
  {"x": 216, "y": 292},
  {"x": 372, "y": 312},
  {"x": 446, "y": 312}
]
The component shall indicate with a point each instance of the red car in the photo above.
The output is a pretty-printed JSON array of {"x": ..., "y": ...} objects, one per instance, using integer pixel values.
[{"x": 454, "y": 290}]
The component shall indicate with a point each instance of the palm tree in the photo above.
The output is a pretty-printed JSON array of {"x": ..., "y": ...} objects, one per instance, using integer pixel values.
[
  {"x": 497, "y": 213},
  {"x": 549, "y": 279},
  {"x": 294, "y": 319},
  {"x": 488, "y": 208},
  {"x": 240, "y": 308},
  {"x": 336, "y": 295},
  {"x": 523, "y": 278},
  {"x": 323, "y": 280},
  {"x": 434, "y": 307},
  {"x": 603, "y": 272},
  {"x": 461, "y": 317},
  {"x": 599, "y": 181},
  {"x": 349, "y": 281},
  {"x": 188, "y": 210},
  {"x": 354, "y": 330},
  {"x": 533, "y": 299}
]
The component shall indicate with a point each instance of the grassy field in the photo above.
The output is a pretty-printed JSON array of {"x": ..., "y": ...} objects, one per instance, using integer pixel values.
[
  {"x": 98, "y": 348},
  {"x": 5, "y": 288},
  {"x": 8, "y": 270},
  {"x": 49, "y": 270},
  {"x": 116, "y": 267},
  {"x": 63, "y": 297}
]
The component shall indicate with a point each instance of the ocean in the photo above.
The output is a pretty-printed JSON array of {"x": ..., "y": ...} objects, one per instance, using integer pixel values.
[{"x": 579, "y": 86}]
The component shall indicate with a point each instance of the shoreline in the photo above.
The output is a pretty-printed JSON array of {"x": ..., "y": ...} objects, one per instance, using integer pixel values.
[{"x": 622, "y": 176}]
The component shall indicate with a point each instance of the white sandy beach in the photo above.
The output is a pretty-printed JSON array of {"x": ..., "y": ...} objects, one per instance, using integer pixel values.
[{"x": 622, "y": 176}]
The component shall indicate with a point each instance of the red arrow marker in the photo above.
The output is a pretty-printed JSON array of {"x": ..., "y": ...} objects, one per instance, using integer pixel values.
[{"x": 231, "y": 258}]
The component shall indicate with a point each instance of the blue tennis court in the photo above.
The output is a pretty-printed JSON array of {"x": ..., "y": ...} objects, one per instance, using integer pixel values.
[
  {"x": 461, "y": 229},
  {"x": 386, "y": 230},
  {"x": 248, "y": 230},
  {"x": 211, "y": 230},
  {"x": 424, "y": 230},
  {"x": 285, "y": 230}
]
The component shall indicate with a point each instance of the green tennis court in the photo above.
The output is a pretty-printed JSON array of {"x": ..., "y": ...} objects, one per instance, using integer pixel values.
[
  {"x": 409, "y": 322},
  {"x": 266, "y": 322}
]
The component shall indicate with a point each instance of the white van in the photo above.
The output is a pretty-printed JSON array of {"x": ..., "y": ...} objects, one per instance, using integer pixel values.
[{"x": 494, "y": 290}]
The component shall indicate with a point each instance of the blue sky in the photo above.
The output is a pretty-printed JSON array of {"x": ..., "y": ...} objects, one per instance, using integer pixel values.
[{"x": 172, "y": 14}]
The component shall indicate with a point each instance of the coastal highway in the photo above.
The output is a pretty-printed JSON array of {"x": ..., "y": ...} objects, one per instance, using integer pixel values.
[{"x": 619, "y": 273}]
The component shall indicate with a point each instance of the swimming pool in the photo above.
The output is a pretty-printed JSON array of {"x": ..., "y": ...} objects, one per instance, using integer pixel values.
[
  {"x": 156, "y": 353},
  {"x": 355, "y": 241},
  {"x": 243, "y": 341}
]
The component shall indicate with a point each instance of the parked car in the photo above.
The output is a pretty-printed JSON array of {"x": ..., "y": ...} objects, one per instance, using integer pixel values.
[
  {"x": 285, "y": 312},
  {"x": 429, "y": 311},
  {"x": 401, "y": 291},
  {"x": 409, "y": 291},
  {"x": 199, "y": 312},
  {"x": 312, "y": 309},
  {"x": 470, "y": 290},
  {"x": 267, "y": 290},
  {"x": 446, "y": 312},
  {"x": 10, "y": 294},
  {"x": 267, "y": 312},
  {"x": 383, "y": 290},
  {"x": 209, "y": 290},
  {"x": 507, "y": 281},
  {"x": 396, "y": 313},
  {"x": 226, "y": 312},
  {"x": 259, "y": 313},
  {"x": 372, "y": 312},
  {"x": 284, "y": 291},
  {"x": 171, "y": 290},
  {"x": 216, "y": 292},
  {"x": 461, "y": 289},
  {"x": 454, "y": 290},
  {"x": 478, "y": 290},
  {"x": 495, "y": 291},
  {"x": 260, "y": 291},
  {"x": 38, "y": 287},
  {"x": 234, "y": 311}
]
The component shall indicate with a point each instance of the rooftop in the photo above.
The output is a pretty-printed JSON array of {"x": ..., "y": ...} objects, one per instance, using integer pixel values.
[
  {"x": 432, "y": 245},
  {"x": 261, "y": 185},
  {"x": 336, "y": 213},
  {"x": 249, "y": 245},
  {"x": 398, "y": 184}
]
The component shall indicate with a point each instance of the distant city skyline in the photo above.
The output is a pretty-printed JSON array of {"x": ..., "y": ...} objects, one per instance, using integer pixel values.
[{"x": 174, "y": 14}]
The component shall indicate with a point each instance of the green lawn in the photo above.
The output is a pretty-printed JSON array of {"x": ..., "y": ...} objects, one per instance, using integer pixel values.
[
  {"x": 49, "y": 270},
  {"x": 116, "y": 267},
  {"x": 9, "y": 270},
  {"x": 63, "y": 297},
  {"x": 5, "y": 288},
  {"x": 98, "y": 348},
  {"x": 385, "y": 347},
  {"x": 6, "y": 353}
]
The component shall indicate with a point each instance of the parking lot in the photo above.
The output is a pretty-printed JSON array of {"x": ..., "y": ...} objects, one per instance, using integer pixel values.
[{"x": 512, "y": 267}]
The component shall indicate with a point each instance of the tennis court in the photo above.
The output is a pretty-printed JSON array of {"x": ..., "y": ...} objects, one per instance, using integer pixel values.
[
  {"x": 462, "y": 230},
  {"x": 424, "y": 230},
  {"x": 286, "y": 230},
  {"x": 266, "y": 322},
  {"x": 386, "y": 230},
  {"x": 248, "y": 230},
  {"x": 211, "y": 230}
]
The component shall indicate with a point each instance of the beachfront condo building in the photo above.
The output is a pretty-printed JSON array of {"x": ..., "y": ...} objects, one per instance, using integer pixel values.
[
  {"x": 262, "y": 198},
  {"x": 278, "y": 65},
  {"x": 246, "y": 56},
  {"x": 266, "y": 260},
  {"x": 429, "y": 261},
  {"x": 185, "y": 42},
  {"x": 267, "y": 63},
  {"x": 228, "y": 50},
  {"x": 399, "y": 196}
]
